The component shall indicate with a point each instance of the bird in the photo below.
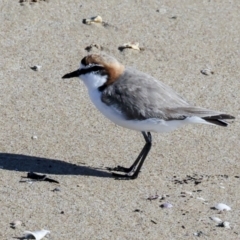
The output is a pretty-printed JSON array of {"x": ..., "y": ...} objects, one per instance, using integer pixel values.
[{"x": 135, "y": 100}]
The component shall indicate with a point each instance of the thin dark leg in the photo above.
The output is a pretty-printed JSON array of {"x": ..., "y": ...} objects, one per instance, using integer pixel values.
[{"x": 134, "y": 170}]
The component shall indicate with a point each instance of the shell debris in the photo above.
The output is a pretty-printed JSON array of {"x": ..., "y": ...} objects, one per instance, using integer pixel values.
[
  {"x": 34, "y": 137},
  {"x": 96, "y": 19},
  {"x": 16, "y": 224},
  {"x": 201, "y": 198},
  {"x": 226, "y": 224},
  {"x": 166, "y": 205},
  {"x": 153, "y": 197},
  {"x": 186, "y": 192},
  {"x": 216, "y": 220},
  {"x": 207, "y": 71},
  {"x": 222, "y": 207},
  {"x": 38, "y": 235},
  {"x": 36, "y": 67},
  {"x": 132, "y": 45}
]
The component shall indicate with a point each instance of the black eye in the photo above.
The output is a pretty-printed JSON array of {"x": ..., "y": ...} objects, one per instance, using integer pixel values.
[{"x": 84, "y": 61}]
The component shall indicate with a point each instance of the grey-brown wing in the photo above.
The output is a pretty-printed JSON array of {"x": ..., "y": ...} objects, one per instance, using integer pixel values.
[{"x": 139, "y": 96}]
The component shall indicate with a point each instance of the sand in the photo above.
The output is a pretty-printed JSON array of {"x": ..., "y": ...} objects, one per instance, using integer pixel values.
[{"x": 49, "y": 126}]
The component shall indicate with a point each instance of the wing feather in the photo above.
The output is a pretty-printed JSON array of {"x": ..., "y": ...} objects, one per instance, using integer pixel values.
[{"x": 145, "y": 97}]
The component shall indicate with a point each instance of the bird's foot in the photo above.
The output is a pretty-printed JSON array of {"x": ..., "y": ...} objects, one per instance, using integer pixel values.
[
  {"x": 127, "y": 176},
  {"x": 120, "y": 169}
]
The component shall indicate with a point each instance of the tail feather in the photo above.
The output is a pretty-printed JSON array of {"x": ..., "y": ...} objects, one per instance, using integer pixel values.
[{"x": 218, "y": 119}]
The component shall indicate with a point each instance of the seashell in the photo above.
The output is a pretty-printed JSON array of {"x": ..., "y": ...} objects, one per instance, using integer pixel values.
[
  {"x": 36, "y": 67},
  {"x": 15, "y": 224},
  {"x": 201, "y": 198},
  {"x": 132, "y": 45},
  {"x": 198, "y": 234},
  {"x": 207, "y": 71},
  {"x": 34, "y": 137},
  {"x": 216, "y": 220},
  {"x": 226, "y": 224},
  {"x": 97, "y": 19},
  {"x": 38, "y": 235},
  {"x": 222, "y": 207},
  {"x": 166, "y": 205}
]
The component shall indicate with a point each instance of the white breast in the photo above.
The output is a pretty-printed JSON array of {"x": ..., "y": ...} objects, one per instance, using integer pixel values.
[{"x": 148, "y": 125}]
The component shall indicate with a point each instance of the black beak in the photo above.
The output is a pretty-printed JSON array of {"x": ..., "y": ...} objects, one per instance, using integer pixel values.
[{"x": 72, "y": 74}]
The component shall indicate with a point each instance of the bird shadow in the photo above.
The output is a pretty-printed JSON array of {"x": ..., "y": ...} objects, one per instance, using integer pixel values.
[{"x": 25, "y": 163}]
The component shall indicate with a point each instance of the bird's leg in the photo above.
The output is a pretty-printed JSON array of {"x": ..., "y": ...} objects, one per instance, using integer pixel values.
[{"x": 134, "y": 170}]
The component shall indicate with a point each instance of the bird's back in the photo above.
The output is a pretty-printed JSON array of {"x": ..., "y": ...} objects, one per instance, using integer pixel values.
[{"x": 139, "y": 96}]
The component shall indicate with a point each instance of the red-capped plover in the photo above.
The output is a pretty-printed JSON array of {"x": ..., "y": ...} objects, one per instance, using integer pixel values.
[{"x": 138, "y": 101}]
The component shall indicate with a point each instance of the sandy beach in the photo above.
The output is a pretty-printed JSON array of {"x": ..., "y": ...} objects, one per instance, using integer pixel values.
[{"x": 49, "y": 126}]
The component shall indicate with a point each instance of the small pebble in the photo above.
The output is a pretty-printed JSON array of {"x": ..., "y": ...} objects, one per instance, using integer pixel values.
[
  {"x": 153, "y": 222},
  {"x": 36, "y": 67},
  {"x": 222, "y": 207},
  {"x": 56, "y": 190},
  {"x": 187, "y": 192},
  {"x": 166, "y": 205},
  {"x": 153, "y": 197},
  {"x": 34, "y": 137},
  {"x": 198, "y": 234},
  {"x": 163, "y": 197}
]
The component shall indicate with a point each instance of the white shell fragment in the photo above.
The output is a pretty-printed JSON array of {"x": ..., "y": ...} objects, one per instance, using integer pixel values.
[
  {"x": 34, "y": 137},
  {"x": 97, "y": 19},
  {"x": 38, "y": 235},
  {"x": 226, "y": 224},
  {"x": 216, "y": 220},
  {"x": 166, "y": 205},
  {"x": 222, "y": 207},
  {"x": 201, "y": 198},
  {"x": 16, "y": 224},
  {"x": 198, "y": 234},
  {"x": 36, "y": 67},
  {"x": 207, "y": 71},
  {"x": 187, "y": 192},
  {"x": 132, "y": 45}
]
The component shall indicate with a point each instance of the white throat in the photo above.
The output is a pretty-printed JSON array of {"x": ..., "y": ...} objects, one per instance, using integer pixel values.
[{"x": 93, "y": 81}]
